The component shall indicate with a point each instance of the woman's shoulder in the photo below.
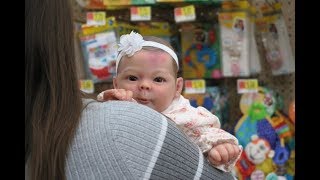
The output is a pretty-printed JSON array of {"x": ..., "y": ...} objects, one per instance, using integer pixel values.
[
  {"x": 116, "y": 115},
  {"x": 109, "y": 135},
  {"x": 125, "y": 140}
]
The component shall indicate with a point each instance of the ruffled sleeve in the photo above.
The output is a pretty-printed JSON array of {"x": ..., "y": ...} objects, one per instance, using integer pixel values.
[{"x": 201, "y": 126}]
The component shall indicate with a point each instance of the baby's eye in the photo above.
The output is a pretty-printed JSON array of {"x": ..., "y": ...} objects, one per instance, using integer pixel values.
[
  {"x": 159, "y": 79},
  {"x": 132, "y": 78}
]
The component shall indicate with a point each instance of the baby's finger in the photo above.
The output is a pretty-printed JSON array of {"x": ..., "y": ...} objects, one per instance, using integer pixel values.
[
  {"x": 223, "y": 151},
  {"x": 121, "y": 94},
  {"x": 214, "y": 157},
  {"x": 112, "y": 94},
  {"x": 237, "y": 151},
  {"x": 232, "y": 150},
  {"x": 107, "y": 95}
]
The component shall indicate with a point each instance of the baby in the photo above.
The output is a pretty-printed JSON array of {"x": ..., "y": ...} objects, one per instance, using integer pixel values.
[{"x": 146, "y": 72}]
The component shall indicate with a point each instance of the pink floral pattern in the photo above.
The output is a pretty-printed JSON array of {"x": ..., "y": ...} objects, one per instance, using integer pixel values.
[{"x": 201, "y": 126}]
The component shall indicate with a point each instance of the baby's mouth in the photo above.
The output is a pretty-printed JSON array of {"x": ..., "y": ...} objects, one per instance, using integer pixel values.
[{"x": 142, "y": 100}]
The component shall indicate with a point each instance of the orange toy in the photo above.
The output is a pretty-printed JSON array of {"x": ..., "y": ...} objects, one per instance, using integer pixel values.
[{"x": 292, "y": 111}]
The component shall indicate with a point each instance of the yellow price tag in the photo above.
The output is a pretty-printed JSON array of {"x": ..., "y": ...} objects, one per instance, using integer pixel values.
[
  {"x": 184, "y": 14},
  {"x": 140, "y": 13},
  {"x": 99, "y": 16},
  {"x": 198, "y": 84},
  {"x": 144, "y": 11},
  {"x": 96, "y": 18},
  {"x": 247, "y": 86},
  {"x": 188, "y": 11},
  {"x": 87, "y": 86},
  {"x": 252, "y": 84}
]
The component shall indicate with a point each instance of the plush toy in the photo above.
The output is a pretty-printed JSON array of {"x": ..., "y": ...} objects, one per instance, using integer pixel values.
[
  {"x": 260, "y": 153},
  {"x": 247, "y": 125},
  {"x": 258, "y": 149}
]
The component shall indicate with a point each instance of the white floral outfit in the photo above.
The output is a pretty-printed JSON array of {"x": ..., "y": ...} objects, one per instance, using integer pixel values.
[{"x": 201, "y": 126}]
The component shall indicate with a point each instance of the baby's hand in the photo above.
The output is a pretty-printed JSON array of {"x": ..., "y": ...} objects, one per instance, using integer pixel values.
[
  {"x": 223, "y": 153},
  {"x": 115, "y": 94}
]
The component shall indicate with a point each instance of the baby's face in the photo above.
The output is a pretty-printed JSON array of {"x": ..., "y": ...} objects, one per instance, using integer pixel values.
[{"x": 150, "y": 76}]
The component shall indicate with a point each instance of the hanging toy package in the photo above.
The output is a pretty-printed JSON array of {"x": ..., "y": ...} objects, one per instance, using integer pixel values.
[
  {"x": 234, "y": 32},
  {"x": 200, "y": 50},
  {"x": 254, "y": 58},
  {"x": 99, "y": 47},
  {"x": 275, "y": 40}
]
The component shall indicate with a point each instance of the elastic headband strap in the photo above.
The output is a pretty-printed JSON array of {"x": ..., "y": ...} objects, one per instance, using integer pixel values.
[{"x": 133, "y": 42}]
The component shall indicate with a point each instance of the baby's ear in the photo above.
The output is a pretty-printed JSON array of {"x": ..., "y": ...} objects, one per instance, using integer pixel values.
[
  {"x": 179, "y": 86},
  {"x": 114, "y": 80}
]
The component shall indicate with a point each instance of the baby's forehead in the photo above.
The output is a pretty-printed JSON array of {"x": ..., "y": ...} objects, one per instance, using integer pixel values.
[
  {"x": 156, "y": 56},
  {"x": 151, "y": 56},
  {"x": 149, "y": 59}
]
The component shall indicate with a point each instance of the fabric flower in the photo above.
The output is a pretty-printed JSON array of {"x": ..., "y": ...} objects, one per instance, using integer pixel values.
[{"x": 130, "y": 43}]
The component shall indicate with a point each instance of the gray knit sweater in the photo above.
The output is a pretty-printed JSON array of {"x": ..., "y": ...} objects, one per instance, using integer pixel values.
[{"x": 123, "y": 140}]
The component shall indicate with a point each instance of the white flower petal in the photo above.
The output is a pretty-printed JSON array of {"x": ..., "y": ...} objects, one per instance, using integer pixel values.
[{"x": 130, "y": 43}]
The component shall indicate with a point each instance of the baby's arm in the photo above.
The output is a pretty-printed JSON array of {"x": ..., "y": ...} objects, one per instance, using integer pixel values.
[
  {"x": 203, "y": 128},
  {"x": 115, "y": 94},
  {"x": 222, "y": 147}
]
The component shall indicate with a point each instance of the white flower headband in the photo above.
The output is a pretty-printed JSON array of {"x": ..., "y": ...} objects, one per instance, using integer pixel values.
[{"x": 133, "y": 42}]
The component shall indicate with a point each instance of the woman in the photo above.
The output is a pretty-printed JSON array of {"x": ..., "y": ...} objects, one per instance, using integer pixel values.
[{"x": 70, "y": 137}]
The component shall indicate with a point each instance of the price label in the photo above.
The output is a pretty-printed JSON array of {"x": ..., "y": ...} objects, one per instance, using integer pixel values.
[
  {"x": 247, "y": 86},
  {"x": 114, "y": 2},
  {"x": 183, "y": 14},
  {"x": 86, "y": 85},
  {"x": 170, "y": 0},
  {"x": 140, "y": 13},
  {"x": 195, "y": 86},
  {"x": 96, "y": 18}
]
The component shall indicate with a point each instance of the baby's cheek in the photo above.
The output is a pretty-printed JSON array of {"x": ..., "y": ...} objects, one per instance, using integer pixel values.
[
  {"x": 133, "y": 89},
  {"x": 126, "y": 85}
]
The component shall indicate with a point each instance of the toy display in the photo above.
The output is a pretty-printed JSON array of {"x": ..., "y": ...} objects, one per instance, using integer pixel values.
[
  {"x": 265, "y": 96},
  {"x": 218, "y": 51},
  {"x": 275, "y": 39},
  {"x": 99, "y": 47},
  {"x": 100, "y": 54},
  {"x": 234, "y": 33},
  {"x": 267, "y": 135},
  {"x": 200, "y": 51},
  {"x": 254, "y": 57}
]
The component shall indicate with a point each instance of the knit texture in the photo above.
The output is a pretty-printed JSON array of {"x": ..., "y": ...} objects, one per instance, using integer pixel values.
[{"x": 124, "y": 140}]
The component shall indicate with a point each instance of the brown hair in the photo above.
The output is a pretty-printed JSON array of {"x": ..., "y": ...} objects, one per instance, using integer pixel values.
[{"x": 52, "y": 96}]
